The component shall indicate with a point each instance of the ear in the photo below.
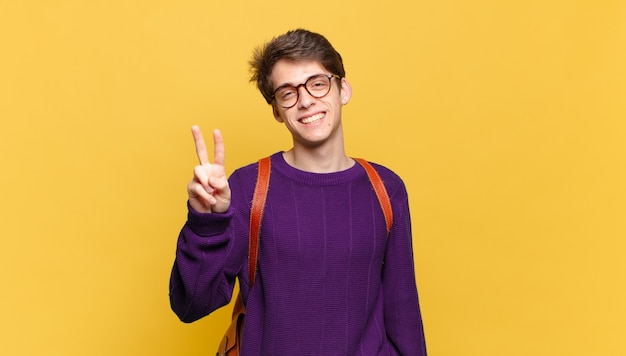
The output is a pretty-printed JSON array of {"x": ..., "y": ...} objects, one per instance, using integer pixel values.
[
  {"x": 276, "y": 114},
  {"x": 346, "y": 91}
]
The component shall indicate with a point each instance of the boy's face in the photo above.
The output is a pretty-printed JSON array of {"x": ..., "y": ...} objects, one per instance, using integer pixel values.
[{"x": 311, "y": 121}]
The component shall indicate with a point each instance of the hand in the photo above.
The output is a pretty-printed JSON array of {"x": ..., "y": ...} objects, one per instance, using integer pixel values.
[{"x": 209, "y": 191}]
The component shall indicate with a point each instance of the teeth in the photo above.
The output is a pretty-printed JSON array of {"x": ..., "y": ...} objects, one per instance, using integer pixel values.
[{"x": 308, "y": 120}]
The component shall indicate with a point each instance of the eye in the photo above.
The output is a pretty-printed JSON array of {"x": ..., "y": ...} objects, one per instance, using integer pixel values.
[
  {"x": 318, "y": 83},
  {"x": 286, "y": 93}
]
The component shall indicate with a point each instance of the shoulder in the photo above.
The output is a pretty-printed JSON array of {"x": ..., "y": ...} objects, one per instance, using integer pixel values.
[
  {"x": 243, "y": 180},
  {"x": 247, "y": 175},
  {"x": 393, "y": 182},
  {"x": 386, "y": 173},
  {"x": 246, "y": 171}
]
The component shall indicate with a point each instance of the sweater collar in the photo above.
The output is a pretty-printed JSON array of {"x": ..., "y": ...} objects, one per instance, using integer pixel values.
[{"x": 279, "y": 165}]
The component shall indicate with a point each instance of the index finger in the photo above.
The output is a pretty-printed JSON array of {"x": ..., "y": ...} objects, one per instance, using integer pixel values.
[
  {"x": 203, "y": 157},
  {"x": 218, "y": 149}
]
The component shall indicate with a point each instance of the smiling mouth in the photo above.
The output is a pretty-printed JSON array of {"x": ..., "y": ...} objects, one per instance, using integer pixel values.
[{"x": 311, "y": 119}]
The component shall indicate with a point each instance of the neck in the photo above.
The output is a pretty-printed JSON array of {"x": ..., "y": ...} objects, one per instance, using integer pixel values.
[{"x": 318, "y": 160}]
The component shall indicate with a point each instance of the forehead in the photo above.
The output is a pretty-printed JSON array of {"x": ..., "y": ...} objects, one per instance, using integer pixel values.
[{"x": 291, "y": 72}]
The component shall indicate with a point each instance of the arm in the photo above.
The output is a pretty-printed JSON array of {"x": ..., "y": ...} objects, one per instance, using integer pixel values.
[
  {"x": 402, "y": 312},
  {"x": 204, "y": 272},
  {"x": 201, "y": 280}
]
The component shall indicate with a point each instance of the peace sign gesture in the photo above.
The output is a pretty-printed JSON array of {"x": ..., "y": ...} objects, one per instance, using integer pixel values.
[{"x": 209, "y": 191}]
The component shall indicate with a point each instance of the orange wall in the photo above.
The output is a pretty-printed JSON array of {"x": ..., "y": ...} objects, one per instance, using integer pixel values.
[{"x": 506, "y": 120}]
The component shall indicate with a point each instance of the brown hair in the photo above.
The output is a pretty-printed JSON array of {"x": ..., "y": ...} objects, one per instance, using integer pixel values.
[{"x": 295, "y": 45}]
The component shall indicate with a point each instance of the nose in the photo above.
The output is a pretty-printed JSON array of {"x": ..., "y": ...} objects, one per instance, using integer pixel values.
[{"x": 304, "y": 98}]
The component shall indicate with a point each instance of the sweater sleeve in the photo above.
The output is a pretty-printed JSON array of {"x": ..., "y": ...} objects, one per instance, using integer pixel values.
[
  {"x": 210, "y": 255},
  {"x": 402, "y": 312}
]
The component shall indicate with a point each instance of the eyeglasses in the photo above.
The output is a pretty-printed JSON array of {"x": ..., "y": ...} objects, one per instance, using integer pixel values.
[{"x": 318, "y": 86}]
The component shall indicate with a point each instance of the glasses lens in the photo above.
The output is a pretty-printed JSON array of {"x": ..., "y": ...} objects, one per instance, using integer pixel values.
[
  {"x": 318, "y": 86},
  {"x": 286, "y": 96}
]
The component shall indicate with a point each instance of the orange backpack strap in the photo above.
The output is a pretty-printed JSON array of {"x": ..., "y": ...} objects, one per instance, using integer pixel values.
[
  {"x": 381, "y": 192},
  {"x": 256, "y": 214}
]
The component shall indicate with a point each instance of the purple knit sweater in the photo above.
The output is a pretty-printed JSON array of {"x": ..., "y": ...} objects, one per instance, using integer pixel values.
[{"x": 329, "y": 280}]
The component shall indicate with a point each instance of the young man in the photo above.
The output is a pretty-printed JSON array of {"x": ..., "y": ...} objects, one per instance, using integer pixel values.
[{"x": 330, "y": 279}]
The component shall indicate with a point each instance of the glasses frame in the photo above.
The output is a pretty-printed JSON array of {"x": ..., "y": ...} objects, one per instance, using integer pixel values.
[{"x": 297, "y": 89}]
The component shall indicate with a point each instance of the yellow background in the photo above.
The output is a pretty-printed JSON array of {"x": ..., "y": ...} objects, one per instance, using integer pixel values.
[{"x": 505, "y": 119}]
